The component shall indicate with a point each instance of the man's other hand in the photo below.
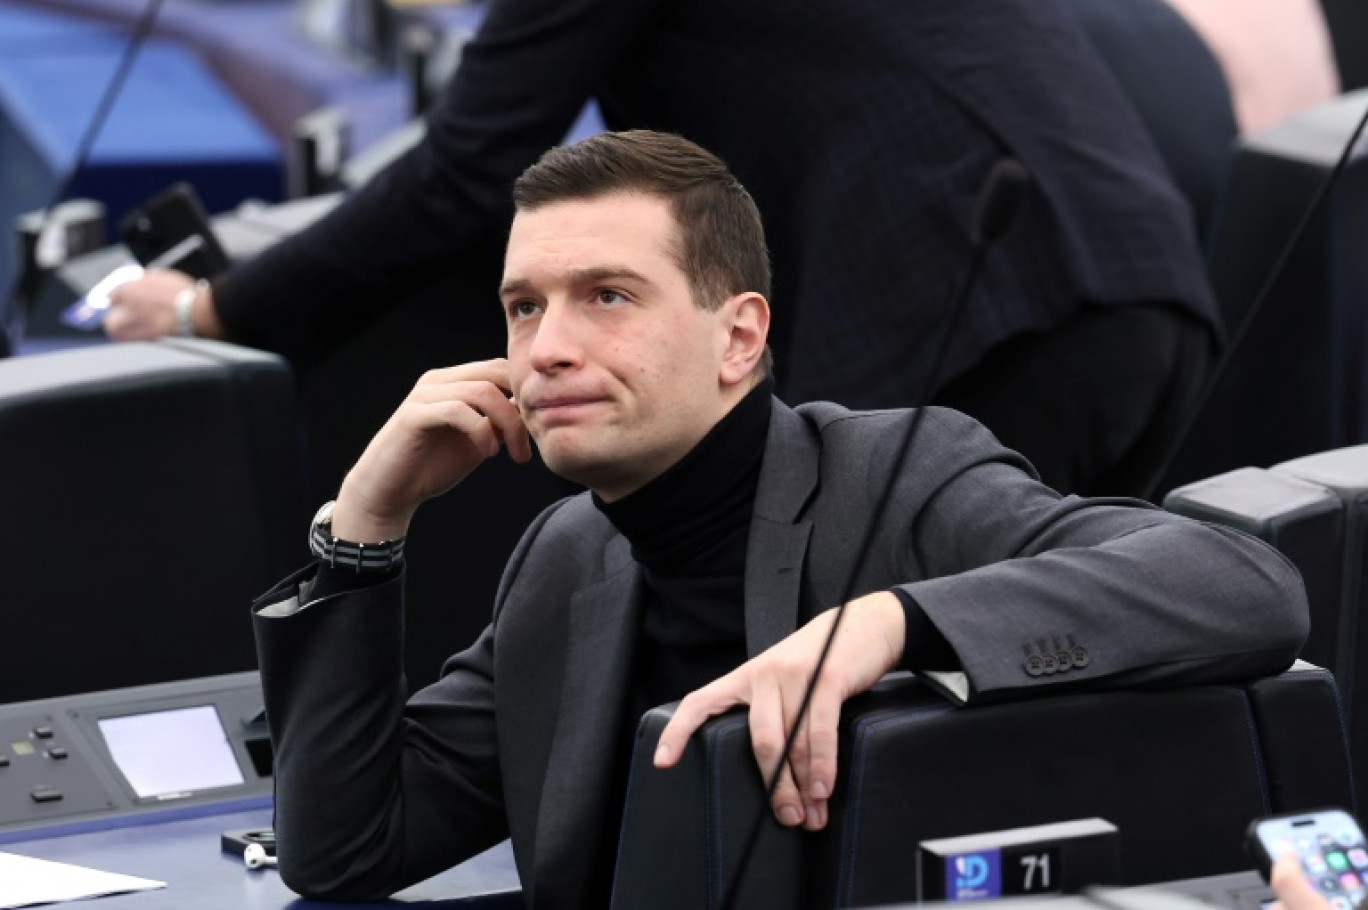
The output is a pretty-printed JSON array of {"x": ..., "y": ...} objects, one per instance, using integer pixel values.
[
  {"x": 1293, "y": 890},
  {"x": 452, "y": 421},
  {"x": 868, "y": 645},
  {"x": 145, "y": 309}
]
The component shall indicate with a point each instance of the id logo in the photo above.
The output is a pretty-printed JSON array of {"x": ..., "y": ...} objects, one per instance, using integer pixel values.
[{"x": 974, "y": 876}]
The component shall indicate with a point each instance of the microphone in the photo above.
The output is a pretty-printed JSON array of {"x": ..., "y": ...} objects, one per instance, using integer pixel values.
[
  {"x": 22, "y": 280},
  {"x": 997, "y": 204},
  {"x": 1265, "y": 290}
]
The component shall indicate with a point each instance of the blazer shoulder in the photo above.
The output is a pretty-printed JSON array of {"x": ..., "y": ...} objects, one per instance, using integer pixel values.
[
  {"x": 942, "y": 444},
  {"x": 942, "y": 426}
]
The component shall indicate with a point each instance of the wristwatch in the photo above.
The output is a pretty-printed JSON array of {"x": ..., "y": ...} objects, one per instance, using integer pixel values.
[
  {"x": 384, "y": 556},
  {"x": 185, "y": 308}
]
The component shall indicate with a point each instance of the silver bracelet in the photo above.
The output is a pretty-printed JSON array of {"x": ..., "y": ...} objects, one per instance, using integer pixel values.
[{"x": 185, "y": 308}]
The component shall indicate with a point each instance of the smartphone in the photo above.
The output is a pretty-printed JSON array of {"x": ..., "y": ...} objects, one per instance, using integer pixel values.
[
  {"x": 169, "y": 222},
  {"x": 1330, "y": 846}
]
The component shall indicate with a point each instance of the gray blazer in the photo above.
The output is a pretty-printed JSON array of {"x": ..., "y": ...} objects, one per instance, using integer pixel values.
[{"x": 518, "y": 737}]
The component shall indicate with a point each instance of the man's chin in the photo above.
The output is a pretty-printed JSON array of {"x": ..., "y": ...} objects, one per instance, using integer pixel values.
[
  {"x": 607, "y": 474},
  {"x": 574, "y": 463}
]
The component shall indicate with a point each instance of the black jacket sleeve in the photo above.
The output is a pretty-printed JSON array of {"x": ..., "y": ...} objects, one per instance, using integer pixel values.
[{"x": 521, "y": 82}]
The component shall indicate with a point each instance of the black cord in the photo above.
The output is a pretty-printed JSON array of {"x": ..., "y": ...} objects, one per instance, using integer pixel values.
[
  {"x": 904, "y": 446},
  {"x": 1294, "y": 239},
  {"x": 111, "y": 94},
  {"x": 997, "y": 204}
]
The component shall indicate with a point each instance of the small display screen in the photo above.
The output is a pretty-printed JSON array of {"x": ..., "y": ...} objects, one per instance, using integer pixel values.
[{"x": 172, "y": 753}]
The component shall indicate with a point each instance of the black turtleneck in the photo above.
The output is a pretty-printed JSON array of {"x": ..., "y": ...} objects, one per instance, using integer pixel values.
[{"x": 688, "y": 531}]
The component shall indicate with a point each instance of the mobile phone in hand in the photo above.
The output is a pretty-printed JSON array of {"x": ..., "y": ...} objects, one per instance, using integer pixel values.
[
  {"x": 1328, "y": 843},
  {"x": 172, "y": 231}
]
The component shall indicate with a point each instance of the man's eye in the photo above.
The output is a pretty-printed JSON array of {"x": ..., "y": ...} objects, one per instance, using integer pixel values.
[
  {"x": 609, "y": 297},
  {"x": 523, "y": 309}
]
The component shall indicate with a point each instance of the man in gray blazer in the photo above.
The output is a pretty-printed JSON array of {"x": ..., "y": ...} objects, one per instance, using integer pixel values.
[{"x": 720, "y": 531}]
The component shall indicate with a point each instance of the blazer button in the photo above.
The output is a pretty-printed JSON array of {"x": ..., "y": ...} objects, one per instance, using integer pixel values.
[
  {"x": 1065, "y": 661},
  {"x": 1081, "y": 657},
  {"x": 1035, "y": 665},
  {"x": 1051, "y": 665}
]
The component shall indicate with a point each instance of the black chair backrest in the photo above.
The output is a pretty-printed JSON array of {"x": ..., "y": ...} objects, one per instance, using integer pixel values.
[
  {"x": 149, "y": 492},
  {"x": 1180, "y": 772}
]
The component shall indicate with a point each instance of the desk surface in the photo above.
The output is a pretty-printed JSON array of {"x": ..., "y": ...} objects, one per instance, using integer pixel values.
[{"x": 185, "y": 854}]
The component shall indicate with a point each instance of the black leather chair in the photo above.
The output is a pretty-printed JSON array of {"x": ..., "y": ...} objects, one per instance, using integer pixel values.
[
  {"x": 149, "y": 492},
  {"x": 1180, "y": 772},
  {"x": 1315, "y": 510},
  {"x": 1344, "y": 473}
]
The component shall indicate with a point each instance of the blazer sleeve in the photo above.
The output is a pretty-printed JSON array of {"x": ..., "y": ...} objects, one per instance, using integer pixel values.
[
  {"x": 521, "y": 82},
  {"x": 1139, "y": 596},
  {"x": 373, "y": 794}
]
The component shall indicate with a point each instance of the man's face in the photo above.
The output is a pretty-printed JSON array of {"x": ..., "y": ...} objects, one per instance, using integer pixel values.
[{"x": 616, "y": 372}]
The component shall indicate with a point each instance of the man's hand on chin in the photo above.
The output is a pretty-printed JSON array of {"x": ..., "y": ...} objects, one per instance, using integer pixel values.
[{"x": 868, "y": 644}]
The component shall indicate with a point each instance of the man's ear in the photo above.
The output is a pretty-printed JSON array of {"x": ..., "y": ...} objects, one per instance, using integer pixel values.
[{"x": 746, "y": 319}]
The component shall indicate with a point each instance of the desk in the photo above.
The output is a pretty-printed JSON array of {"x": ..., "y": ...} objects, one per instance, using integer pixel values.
[{"x": 184, "y": 852}]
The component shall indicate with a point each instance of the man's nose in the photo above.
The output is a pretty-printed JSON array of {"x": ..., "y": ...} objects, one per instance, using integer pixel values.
[{"x": 557, "y": 343}]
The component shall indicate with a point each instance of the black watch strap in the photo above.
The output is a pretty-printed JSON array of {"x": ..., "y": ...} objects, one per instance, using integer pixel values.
[{"x": 383, "y": 556}]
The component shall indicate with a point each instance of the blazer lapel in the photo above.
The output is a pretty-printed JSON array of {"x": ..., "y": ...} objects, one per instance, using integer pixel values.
[
  {"x": 778, "y": 541},
  {"x": 571, "y": 820}
]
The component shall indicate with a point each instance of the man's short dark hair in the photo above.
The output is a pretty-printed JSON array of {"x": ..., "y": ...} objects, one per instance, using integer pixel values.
[{"x": 720, "y": 241}]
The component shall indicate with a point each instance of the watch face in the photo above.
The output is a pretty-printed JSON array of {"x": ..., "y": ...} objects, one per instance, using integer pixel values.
[{"x": 324, "y": 514}]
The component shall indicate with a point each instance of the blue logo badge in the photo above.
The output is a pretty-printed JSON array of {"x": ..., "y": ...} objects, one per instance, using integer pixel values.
[{"x": 974, "y": 876}]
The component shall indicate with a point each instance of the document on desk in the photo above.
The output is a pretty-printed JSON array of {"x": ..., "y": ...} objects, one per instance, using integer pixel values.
[{"x": 25, "y": 882}]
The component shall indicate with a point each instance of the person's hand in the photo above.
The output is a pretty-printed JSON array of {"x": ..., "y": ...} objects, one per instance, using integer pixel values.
[
  {"x": 452, "y": 421},
  {"x": 868, "y": 645},
  {"x": 1293, "y": 890},
  {"x": 145, "y": 309}
]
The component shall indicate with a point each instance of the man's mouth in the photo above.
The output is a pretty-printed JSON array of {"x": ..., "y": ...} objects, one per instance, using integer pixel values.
[{"x": 556, "y": 408}]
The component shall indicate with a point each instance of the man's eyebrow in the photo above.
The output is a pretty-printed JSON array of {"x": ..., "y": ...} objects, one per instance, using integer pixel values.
[
  {"x": 609, "y": 273},
  {"x": 589, "y": 275},
  {"x": 516, "y": 286}
]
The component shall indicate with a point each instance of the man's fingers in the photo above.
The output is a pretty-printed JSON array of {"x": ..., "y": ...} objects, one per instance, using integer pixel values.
[
  {"x": 486, "y": 397},
  {"x": 824, "y": 717},
  {"x": 1293, "y": 890},
  {"x": 495, "y": 371},
  {"x": 769, "y": 730},
  {"x": 698, "y": 706}
]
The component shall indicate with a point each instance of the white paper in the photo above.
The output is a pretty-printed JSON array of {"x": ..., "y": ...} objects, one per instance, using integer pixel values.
[{"x": 25, "y": 882}]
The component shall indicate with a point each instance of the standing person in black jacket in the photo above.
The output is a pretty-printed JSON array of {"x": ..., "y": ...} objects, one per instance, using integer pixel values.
[{"x": 864, "y": 130}]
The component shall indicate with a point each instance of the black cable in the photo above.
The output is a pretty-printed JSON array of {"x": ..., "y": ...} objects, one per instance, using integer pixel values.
[
  {"x": 998, "y": 201},
  {"x": 141, "y": 30},
  {"x": 1261, "y": 298}
]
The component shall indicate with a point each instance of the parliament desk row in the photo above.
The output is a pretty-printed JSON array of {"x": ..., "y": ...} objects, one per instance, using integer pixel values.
[{"x": 1179, "y": 772}]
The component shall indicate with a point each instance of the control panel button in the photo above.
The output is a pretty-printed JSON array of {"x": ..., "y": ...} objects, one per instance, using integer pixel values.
[
  {"x": 57, "y": 752},
  {"x": 42, "y": 794},
  {"x": 43, "y": 732}
]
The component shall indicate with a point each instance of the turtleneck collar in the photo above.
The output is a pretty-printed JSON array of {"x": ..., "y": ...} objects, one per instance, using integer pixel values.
[{"x": 677, "y": 521}]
